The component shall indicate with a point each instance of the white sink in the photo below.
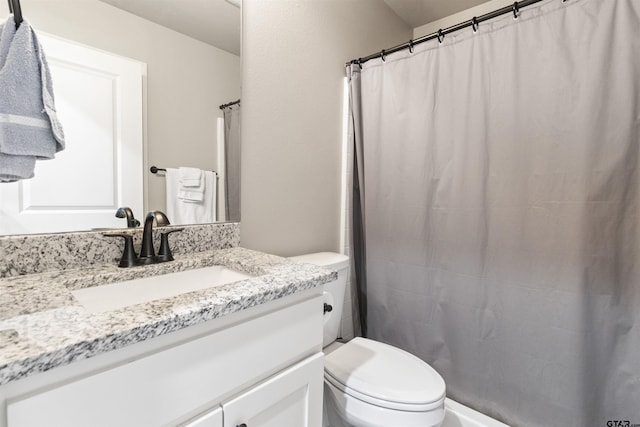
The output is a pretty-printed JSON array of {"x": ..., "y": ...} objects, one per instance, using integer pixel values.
[{"x": 97, "y": 299}]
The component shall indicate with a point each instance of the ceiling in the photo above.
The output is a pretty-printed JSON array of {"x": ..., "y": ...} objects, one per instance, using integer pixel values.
[
  {"x": 216, "y": 22},
  {"x": 419, "y": 12}
]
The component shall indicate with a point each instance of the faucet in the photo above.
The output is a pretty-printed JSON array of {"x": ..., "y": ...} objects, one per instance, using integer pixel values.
[
  {"x": 147, "y": 253},
  {"x": 127, "y": 213}
]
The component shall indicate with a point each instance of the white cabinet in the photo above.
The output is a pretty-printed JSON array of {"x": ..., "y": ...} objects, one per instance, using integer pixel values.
[
  {"x": 263, "y": 367},
  {"x": 292, "y": 398},
  {"x": 210, "y": 419}
]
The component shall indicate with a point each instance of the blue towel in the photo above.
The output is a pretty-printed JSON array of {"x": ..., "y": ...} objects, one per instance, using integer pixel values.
[{"x": 29, "y": 127}]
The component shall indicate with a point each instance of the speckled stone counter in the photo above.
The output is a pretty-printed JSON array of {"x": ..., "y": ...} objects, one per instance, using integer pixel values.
[
  {"x": 42, "y": 326},
  {"x": 39, "y": 253}
]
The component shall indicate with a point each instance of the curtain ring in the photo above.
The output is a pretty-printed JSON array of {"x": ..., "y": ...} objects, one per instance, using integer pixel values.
[
  {"x": 516, "y": 10},
  {"x": 359, "y": 62},
  {"x": 410, "y": 46},
  {"x": 440, "y": 36},
  {"x": 474, "y": 24},
  {"x": 382, "y": 56}
]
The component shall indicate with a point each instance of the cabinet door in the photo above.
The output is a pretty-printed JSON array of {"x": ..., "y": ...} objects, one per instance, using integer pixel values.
[
  {"x": 290, "y": 398},
  {"x": 210, "y": 419}
]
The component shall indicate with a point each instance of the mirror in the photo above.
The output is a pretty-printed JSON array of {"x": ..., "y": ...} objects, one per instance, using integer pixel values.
[{"x": 187, "y": 56}]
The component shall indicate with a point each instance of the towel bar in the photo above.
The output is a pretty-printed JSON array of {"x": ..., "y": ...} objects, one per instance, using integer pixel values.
[{"x": 155, "y": 169}]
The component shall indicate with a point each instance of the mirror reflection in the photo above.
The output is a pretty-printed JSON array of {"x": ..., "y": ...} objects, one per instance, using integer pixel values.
[{"x": 138, "y": 83}]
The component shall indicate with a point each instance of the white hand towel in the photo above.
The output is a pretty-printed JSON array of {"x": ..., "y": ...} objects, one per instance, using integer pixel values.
[
  {"x": 192, "y": 185},
  {"x": 190, "y": 177},
  {"x": 190, "y": 196},
  {"x": 182, "y": 211},
  {"x": 29, "y": 126}
]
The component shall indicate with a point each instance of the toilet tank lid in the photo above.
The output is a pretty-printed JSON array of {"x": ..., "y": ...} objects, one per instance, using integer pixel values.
[{"x": 329, "y": 260}]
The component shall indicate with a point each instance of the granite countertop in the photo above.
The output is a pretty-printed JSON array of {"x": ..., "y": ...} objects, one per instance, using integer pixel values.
[{"x": 42, "y": 326}]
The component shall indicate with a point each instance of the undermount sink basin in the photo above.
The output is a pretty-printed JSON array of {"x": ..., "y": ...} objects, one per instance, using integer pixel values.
[{"x": 97, "y": 299}]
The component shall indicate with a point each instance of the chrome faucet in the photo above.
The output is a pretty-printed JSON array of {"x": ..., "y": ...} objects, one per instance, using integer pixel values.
[
  {"x": 147, "y": 253},
  {"x": 128, "y": 213}
]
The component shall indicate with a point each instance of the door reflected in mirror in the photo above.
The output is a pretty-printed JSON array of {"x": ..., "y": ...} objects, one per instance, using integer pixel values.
[{"x": 187, "y": 58}]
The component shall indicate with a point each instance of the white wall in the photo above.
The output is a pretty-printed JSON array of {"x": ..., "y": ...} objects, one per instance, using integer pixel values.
[
  {"x": 456, "y": 18},
  {"x": 187, "y": 79},
  {"x": 293, "y": 56}
]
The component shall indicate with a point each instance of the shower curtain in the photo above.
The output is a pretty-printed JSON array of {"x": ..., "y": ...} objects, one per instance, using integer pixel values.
[
  {"x": 231, "y": 116},
  {"x": 497, "y": 173}
]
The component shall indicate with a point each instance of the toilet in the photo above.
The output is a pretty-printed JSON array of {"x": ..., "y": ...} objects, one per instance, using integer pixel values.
[{"x": 369, "y": 383}]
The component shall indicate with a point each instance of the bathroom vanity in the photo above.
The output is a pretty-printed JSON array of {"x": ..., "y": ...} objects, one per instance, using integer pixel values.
[{"x": 244, "y": 353}]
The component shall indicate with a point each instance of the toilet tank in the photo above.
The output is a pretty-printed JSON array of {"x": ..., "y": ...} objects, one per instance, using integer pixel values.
[{"x": 333, "y": 291}]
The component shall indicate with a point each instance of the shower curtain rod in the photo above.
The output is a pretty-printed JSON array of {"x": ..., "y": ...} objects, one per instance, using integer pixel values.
[
  {"x": 473, "y": 22},
  {"x": 223, "y": 106}
]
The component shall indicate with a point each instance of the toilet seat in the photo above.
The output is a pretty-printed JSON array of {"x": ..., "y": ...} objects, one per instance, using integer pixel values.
[
  {"x": 384, "y": 376},
  {"x": 397, "y": 406}
]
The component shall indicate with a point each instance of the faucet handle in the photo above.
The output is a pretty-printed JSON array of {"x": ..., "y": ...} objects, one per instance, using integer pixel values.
[
  {"x": 164, "y": 253},
  {"x": 129, "y": 257}
]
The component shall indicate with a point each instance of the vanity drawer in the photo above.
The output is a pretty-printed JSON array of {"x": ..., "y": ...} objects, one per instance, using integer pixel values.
[{"x": 174, "y": 384}]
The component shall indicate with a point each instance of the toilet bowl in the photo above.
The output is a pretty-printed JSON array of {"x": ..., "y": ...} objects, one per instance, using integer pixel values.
[{"x": 369, "y": 383}]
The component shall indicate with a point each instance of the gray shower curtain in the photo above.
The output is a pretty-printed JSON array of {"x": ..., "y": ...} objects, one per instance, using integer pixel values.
[
  {"x": 232, "y": 151},
  {"x": 500, "y": 210}
]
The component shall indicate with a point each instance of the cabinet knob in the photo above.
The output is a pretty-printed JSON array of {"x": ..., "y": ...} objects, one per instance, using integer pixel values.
[
  {"x": 327, "y": 307},
  {"x": 242, "y": 425}
]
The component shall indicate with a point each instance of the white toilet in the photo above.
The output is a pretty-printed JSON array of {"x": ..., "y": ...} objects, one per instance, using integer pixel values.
[{"x": 368, "y": 383}]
